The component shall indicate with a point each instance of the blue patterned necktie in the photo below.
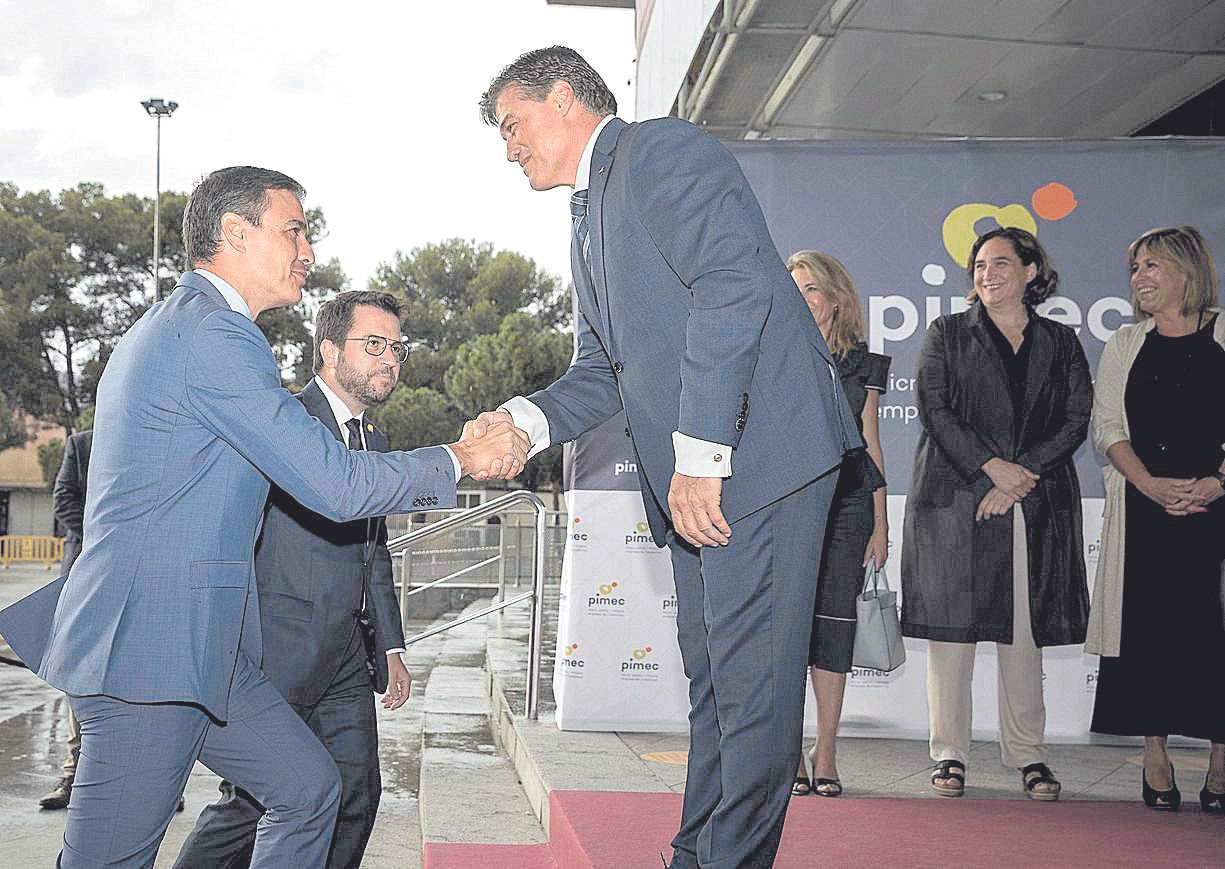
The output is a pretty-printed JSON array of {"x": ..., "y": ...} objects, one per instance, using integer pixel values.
[{"x": 578, "y": 214}]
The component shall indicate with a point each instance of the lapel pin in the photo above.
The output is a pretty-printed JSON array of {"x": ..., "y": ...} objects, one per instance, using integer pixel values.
[
  {"x": 369, "y": 427},
  {"x": 599, "y": 170}
]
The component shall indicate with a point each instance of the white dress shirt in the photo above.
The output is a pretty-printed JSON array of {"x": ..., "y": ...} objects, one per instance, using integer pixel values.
[{"x": 694, "y": 457}]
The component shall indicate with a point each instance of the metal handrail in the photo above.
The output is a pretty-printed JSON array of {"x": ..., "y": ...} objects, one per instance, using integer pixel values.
[{"x": 468, "y": 517}]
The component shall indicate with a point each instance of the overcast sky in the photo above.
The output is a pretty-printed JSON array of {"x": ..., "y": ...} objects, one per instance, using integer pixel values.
[{"x": 371, "y": 105}]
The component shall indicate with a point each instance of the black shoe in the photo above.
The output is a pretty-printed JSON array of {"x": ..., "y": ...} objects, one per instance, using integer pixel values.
[
  {"x": 58, "y": 797},
  {"x": 1210, "y": 801},
  {"x": 1162, "y": 801}
]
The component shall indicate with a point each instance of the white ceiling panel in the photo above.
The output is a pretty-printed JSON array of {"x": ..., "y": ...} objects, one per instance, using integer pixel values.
[{"x": 917, "y": 67}]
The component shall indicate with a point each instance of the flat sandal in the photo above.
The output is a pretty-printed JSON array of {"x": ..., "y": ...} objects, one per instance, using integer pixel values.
[{"x": 944, "y": 770}]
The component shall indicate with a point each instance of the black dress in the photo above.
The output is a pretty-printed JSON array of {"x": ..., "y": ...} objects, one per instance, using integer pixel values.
[
  {"x": 850, "y": 522},
  {"x": 1167, "y": 678}
]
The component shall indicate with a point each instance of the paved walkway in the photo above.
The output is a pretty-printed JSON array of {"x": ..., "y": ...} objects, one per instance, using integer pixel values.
[{"x": 485, "y": 772}]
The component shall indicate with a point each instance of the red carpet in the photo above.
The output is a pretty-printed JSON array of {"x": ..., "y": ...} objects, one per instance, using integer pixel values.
[{"x": 603, "y": 830}]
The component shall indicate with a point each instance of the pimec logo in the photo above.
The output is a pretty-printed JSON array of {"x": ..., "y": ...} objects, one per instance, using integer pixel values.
[
  {"x": 639, "y": 538},
  {"x": 578, "y": 534},
  {"x": 608, "y": 600},
  {"x": 570, "y": 662},
  {"x": 639, "y": 666}
]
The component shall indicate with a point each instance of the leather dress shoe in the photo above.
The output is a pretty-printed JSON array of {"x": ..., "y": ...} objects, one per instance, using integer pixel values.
[{"x": 59, "y": 795}]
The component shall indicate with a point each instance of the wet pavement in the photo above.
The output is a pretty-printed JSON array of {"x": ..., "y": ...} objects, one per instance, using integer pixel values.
[{"x": 33, "y": 743}]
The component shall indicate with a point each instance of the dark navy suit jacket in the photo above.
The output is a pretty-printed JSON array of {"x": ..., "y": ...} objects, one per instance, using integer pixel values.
[
  {"x": 693, "y": 324},
  {"x": 309, "y": 571},
  {"x": 191, "y": 423}
]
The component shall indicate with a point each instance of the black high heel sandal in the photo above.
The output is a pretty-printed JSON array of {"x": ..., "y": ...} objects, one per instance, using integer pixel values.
[
  {"x": 1163, "y": 801},
  {"x": 1210, "y": 801}
]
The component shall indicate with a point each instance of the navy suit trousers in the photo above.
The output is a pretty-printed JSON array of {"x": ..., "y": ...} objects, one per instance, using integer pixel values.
[
  {"x": 344, "y": 721},
  {"x": 744, "y": 618},
  {"x": 136, "y": 757}
]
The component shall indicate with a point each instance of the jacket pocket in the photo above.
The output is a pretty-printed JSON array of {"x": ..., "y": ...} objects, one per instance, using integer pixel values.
[{"x": 286, "y": 606}]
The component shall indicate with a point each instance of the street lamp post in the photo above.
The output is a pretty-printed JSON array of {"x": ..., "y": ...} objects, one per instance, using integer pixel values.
[{"x": 158, "y": 108}]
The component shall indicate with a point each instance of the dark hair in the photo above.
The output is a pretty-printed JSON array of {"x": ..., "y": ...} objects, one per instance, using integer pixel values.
[
  {"x": 335, "y": 317},
  {"x": 1030, "y": 252},
  {"x": 535, "y": 73},
  {"x": 242, "y": 190},
  {"x": 1185, "y": 247}
]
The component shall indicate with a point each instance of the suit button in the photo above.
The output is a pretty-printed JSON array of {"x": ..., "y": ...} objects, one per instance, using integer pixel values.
[
  {"x": 627, "y": 431},
  {"x": 740, "y": 424},
  {"x": 618, "y": 367}
]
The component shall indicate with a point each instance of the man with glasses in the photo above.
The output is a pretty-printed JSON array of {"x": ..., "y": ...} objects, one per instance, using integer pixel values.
[{"x": 316, "y": 579}]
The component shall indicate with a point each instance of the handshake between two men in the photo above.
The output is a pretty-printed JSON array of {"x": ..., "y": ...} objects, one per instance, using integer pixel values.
[{"x": 491, "y": 447}]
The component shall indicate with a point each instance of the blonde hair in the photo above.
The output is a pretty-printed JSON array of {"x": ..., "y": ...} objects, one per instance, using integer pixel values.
[
  {"x": 846, "y": 329},
  {"x": 1183, "y": 246}
]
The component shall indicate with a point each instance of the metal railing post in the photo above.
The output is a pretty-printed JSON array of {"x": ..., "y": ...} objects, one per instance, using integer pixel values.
[
  {"x": 502, "y": 562},
  {"x": 533, "y": 640}
]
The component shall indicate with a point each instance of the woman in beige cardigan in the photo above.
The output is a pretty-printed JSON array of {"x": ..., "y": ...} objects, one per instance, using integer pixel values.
[{"x": 1159, "y": 417}]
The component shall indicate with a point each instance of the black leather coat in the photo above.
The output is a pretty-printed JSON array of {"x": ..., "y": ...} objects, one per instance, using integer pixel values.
[{"x": 957, "y": 573}]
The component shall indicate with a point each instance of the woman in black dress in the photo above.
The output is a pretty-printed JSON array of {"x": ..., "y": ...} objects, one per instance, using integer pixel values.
[
  {"x": 1159, "y": 416},
  {"x": 858, "y": 528}
]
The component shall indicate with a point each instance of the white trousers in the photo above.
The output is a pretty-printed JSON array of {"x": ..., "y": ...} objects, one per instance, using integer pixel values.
[{"x": 950, "y": 671}]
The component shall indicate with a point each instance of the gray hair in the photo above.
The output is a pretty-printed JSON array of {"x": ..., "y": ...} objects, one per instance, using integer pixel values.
[
  {"x": 535, "y": 73},
  {"x": 241, "y": 190}
]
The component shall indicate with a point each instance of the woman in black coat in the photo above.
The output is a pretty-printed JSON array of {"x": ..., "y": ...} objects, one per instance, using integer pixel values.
[{"x": 1004, "y": 397}]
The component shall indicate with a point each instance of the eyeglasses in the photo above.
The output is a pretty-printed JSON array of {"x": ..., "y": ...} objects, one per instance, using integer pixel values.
[{"x": 376, "y": 344}]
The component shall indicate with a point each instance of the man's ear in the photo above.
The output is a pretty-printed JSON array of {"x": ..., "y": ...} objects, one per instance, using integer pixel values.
[
  {"x": 561, "y": 97},
  {"x": 234, "y": 231},
  {"x": 329, "y": 351}
]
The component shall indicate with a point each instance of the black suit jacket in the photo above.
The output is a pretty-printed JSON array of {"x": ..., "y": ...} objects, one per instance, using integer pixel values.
[
  {"x": 68, "y": 494},
  {"x": 308, "y": 570},
  {"x": 956, "y": 572}
]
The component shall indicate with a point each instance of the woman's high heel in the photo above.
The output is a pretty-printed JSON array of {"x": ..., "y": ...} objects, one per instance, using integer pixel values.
[
  {"x": 1163, "y": 801},
  {"x": 1210, "y": 801}
]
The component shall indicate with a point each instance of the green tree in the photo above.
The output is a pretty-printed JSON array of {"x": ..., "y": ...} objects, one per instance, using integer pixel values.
[{"x": 50, "y": 457}]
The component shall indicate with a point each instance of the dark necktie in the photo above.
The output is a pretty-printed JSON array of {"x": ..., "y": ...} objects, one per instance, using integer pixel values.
[
  {"x": 355, "y": 434},
  {"x": 578, "y": 214}
]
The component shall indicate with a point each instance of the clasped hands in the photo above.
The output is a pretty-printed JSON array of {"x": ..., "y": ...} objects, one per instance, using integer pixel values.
[
  {"x": 491, "y": 447},
  {"x": 1181, "y": 497},
  {"x": 1012, "y": 482}
]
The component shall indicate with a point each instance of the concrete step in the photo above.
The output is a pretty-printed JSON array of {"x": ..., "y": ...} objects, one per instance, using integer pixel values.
[{"x": 470, "y": 793}]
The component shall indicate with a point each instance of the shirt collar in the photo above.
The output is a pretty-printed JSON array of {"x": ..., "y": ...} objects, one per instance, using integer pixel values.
[
  {"x": 235, "y": 301},
  {"x": 582, "y": 178},
  {"x": 339, "y": 409}
]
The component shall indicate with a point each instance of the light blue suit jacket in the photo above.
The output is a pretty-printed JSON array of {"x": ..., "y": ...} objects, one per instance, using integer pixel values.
[
  {"x": 191, "y": 423},
  {"x": 693, "y": 324}
]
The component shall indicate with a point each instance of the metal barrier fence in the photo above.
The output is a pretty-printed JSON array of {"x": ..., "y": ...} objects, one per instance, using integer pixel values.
[
  {"x": 31, "y": 547},
  {"x": 490, "y": 555}
]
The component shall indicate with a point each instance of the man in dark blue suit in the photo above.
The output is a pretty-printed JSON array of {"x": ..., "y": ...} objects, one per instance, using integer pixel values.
[
  {"x": 692, "y": 325},
  {"x": 155, "y": 633},
  {"x": 315, "y": 578}
]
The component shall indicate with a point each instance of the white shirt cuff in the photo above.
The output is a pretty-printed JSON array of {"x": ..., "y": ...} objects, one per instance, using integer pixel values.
[
  {"x": 395, "y": 651},
  {"x": 454, "y": 461},
  {"x": 698, "y": 458},
  {"x": 531, "y": 419}
]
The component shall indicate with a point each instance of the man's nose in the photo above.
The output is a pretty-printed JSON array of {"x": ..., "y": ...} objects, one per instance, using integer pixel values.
[
  {"x": 512, "y": 153},
  {"x": 306, "y": 253}
]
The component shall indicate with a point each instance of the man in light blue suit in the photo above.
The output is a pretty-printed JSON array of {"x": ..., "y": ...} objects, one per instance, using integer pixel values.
[
  {"x": 692, "y": 325},
  {"x": 155, "y": 632}
]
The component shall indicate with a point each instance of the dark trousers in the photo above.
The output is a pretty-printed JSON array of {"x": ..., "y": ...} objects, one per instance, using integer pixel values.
[
  {"x": 136, "y": 757},
  {"x": 344, "y": 721},
  {"x": 744, "y": 615}
]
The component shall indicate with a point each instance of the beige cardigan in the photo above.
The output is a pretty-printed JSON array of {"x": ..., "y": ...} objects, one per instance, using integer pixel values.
[{"x": 1110, "y": 427}]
